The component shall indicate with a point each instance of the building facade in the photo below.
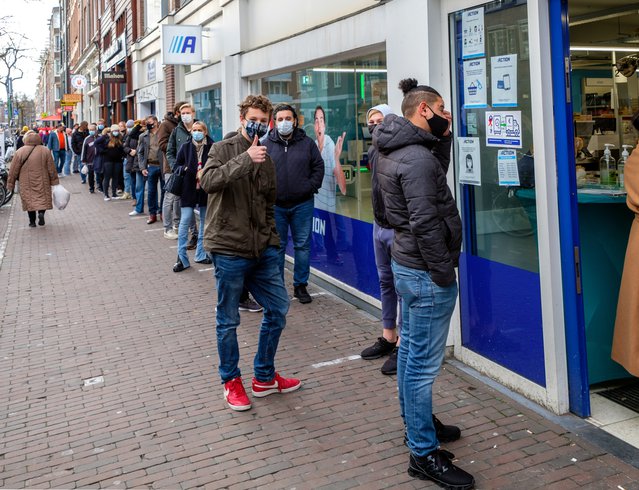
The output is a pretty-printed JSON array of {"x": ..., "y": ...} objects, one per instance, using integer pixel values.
[
  {"x": 49, "y": 90},
  {"x": 528, "y": 302}
]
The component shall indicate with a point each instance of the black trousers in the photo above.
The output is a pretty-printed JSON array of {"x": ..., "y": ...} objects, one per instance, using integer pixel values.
[
  {"x": 32, "y": 215},
  {"x": 109, "y": 177},
  {"x": 91, "y": 178}
]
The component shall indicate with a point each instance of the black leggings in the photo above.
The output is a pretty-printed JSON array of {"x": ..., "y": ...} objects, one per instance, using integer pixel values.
[
  {"x": 109, "y": 176},
  {"x": 32, "y": 215}
]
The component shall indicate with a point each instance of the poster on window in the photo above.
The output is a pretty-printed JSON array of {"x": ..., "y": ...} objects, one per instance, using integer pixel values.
[
  {"x": 503, "y": 75},
  {"x": 473, "y": 33},
  {"x": 475, "y": 83},
  {"x": 470, "y": 161},
  {"x": 503, "y": 128},
  {"x": 507, "y": 168}
]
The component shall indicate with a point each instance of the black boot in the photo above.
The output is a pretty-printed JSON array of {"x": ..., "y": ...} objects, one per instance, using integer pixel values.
[
  {"x": 301, "y": 294},
  {"x": 41, "y": 218},
  {"x": 437, "y": 466},
  {"x": 446, "y": 433}
]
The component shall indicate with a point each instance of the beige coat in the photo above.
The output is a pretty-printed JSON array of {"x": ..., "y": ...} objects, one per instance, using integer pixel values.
[
  {"x": 36, "y": 175},
  {"x": 625, "y": 345}
]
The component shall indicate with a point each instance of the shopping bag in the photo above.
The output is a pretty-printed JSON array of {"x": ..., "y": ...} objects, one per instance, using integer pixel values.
[
  {"x": 61, "y": 196},
  {"x": 84, "y": 170}
]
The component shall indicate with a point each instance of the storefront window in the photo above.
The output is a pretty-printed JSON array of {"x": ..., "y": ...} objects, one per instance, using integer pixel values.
[
  {"x": 344, "y": 91},
  {"x": 208, "y": 108}
]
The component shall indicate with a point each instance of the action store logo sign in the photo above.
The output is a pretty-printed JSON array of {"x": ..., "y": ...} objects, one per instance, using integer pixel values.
[{"x": 181, "y": 45}]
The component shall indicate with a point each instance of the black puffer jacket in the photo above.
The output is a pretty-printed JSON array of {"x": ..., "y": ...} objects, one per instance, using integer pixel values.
[
  {"x": 411, "y": 172},
  {"x": 77, "y": 138},
  {"x": 299, "y": 167}
]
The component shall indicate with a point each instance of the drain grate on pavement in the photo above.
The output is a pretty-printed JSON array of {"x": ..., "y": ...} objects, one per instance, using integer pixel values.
[{"x": 627, "y": 396}]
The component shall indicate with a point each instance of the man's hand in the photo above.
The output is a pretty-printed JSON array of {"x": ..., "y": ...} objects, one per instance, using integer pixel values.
[
  {"x": 145, "y": 172},
  {"x": 339, "y": 145},
  {"x": 132, "y": 153},
  {"x": 256, "y": 152},
  {"x": 198, "y": 175},
  {"x": 448, "y": 116}
]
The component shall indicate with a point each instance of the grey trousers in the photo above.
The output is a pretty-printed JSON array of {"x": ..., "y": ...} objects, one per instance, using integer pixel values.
[{"x": 171, "y": 211}]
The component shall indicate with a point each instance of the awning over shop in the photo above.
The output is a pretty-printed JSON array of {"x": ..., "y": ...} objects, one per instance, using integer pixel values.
[{"x": 52, "y": 117}]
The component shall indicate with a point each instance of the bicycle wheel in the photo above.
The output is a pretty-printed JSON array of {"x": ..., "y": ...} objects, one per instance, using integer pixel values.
[
  {"x": 8, "y": 196},
  {"x": 3, "y": 195}
]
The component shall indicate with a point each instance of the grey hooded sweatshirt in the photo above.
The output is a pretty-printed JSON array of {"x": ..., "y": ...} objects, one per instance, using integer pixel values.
[{"x": 419, "y": 206}]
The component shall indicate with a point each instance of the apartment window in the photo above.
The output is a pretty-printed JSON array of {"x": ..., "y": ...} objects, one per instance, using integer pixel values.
[
  {"x": 56, "y": 67},
  {"x": 57, "y": 42},
  {"x": 164, "y": 8},
  {"x": 120, "y": 24}
]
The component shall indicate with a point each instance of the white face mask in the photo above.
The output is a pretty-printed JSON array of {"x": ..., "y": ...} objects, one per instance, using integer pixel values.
[
  {"x": 285, "y": 127},
  {"x": 187, "y": 118}
]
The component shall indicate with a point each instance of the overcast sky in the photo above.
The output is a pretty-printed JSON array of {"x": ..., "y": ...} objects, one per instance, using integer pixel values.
[{"x": 30, "y": 18}]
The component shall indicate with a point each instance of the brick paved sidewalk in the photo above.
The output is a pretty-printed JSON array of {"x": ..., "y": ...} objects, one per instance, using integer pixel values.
[{"x": 92, "y": 294}]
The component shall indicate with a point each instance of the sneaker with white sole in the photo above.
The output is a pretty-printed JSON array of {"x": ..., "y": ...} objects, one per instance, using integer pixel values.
[
  {"x": 235, "y": 395},
  {"x": 250, "y": 305},
  {"x": 134, "y": 213},
  {"x": 277, "y": 385},
  {"x": 170, "y": 234}
]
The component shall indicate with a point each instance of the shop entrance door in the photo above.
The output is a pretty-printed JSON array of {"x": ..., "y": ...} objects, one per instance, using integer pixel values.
[{"x": 494, "y": 155}]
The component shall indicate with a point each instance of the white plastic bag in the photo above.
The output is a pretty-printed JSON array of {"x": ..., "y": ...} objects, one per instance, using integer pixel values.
[
  {"x": 61, "y": 196},
  {"x": 84, "y": 170}
]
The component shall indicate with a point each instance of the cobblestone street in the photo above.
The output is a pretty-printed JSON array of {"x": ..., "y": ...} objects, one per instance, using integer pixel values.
[{"x": 110, "y": 380}]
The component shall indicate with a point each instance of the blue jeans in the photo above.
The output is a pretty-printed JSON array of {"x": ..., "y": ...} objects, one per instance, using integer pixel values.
[
  {"x": 263, "y": 279},
  {"x": 153, "y": 179},
  {"x": 59, "y": 158},
  {"x": 127, "y": 182},
  {"x": 426, "y": 312},
  {"x": 140, "y": 181},
  {"x": 300, "y": 220},
  {"x": 67, "y": 162},
  {"x": 382, "y": 245},
  {"x": 186, "y": 218}
]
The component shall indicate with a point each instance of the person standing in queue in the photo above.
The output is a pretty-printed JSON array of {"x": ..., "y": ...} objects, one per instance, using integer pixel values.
[
  {"x": 241, "y": 236},
  {"x": 419, "y": 206},
  {"x": 300, "y": 171}
]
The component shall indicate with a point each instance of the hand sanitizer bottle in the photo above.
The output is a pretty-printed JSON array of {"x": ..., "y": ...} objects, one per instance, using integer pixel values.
[
  {"x": 607, "y": 167},
  {"x": 622, "y": 164}
]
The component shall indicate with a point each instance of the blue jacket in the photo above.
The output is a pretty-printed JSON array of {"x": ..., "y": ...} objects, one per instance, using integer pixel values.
[
  {"x": 186, "y": 164},
  {"x": 54, "y": 143},
  {"x": 299, "y": 167}
]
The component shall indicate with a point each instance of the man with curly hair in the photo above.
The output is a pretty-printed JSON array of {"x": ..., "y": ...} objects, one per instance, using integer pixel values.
[{"x": 241, "y": 236}]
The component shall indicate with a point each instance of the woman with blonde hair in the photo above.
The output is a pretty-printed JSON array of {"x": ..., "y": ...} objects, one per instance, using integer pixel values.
[{"x": 190, "y": 158}]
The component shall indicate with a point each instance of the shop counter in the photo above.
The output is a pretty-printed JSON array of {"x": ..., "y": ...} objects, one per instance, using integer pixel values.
[{"x": 604, "y": 226}]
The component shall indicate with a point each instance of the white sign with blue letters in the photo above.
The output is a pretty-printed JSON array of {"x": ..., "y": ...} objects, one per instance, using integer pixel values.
[
  {"x": 475, "y": 83},
  {"x": 504, "y": 80},
  {"x": 181, "y": 45},
  {"x": 473, "y": 33}
]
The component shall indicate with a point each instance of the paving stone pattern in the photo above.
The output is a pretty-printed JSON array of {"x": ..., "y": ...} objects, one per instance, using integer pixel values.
[{"x": 92, "y": 294}]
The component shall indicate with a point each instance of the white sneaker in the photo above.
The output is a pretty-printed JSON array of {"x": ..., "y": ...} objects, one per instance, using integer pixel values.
[
  {"x": 134, "y": 213},
  {"x": 170, "y": 235},
  {"x": 107, "y": 198}
]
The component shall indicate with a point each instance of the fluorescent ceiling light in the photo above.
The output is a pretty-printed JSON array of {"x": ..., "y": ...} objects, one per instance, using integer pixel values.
[
  {"x": 351, "y": 70},
  {"x": 608, "y": 49}
]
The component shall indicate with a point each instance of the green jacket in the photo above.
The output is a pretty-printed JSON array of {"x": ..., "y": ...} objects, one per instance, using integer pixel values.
[{"x": 240, "y": 213}]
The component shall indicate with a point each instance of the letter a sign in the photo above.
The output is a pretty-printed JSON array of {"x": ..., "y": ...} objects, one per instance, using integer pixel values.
[{"x": 181, "y": 45}]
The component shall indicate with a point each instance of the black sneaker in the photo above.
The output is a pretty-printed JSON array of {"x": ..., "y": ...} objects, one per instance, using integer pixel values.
[
  {"x": 301, "y": 294},
  {"x": 390, "y": 366},
  {"x": 378, "y": 349},
  {"x": 437, "y": 466},
  {"x": 446, "y": 433}
]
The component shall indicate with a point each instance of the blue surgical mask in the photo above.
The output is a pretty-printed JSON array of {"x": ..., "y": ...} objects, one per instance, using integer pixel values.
[
  {"x": 92, "y": 132},
  {"x": 255, "y": 128},
  {"x": 285, "y": 127},
  {"x": 100, "y": 127},
  {"x": 198, "y": 135},
  {"x": 115, "y": 133}
]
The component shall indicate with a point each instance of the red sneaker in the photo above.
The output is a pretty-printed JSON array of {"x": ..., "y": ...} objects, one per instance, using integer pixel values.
[
  {"x": 235, "y": 395},
  {"x": 276, "y": 385}
]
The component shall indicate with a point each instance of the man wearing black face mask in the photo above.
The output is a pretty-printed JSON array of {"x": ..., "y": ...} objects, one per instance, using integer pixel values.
[
  {"x": 241, "y": 236},
  {"x": 414, "y": 153}
]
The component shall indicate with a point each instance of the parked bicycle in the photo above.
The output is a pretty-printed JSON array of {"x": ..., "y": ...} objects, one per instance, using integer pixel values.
[{"x": 5, "y": 194}]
